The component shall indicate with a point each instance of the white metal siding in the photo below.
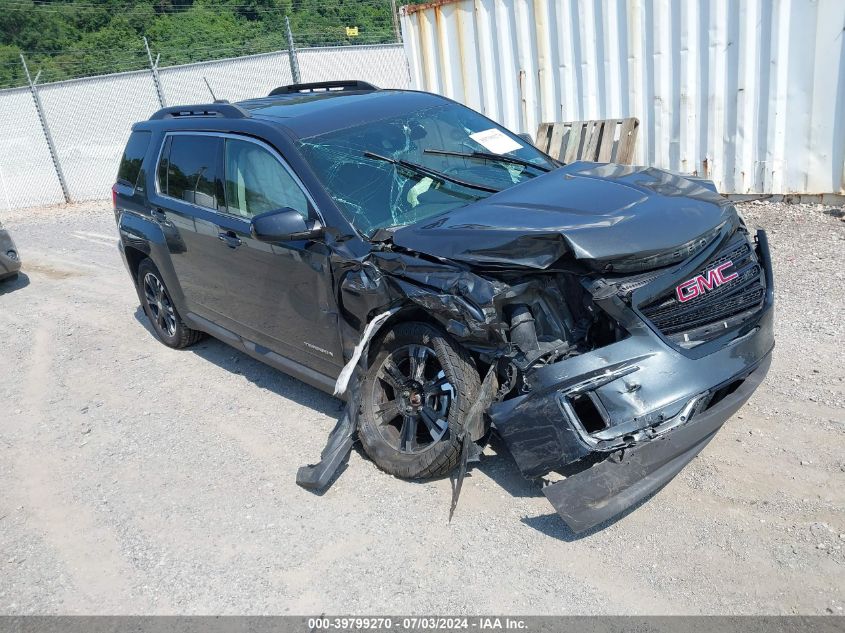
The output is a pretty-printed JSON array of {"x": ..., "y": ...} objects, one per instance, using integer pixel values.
[{"x": 750, "y": 93}]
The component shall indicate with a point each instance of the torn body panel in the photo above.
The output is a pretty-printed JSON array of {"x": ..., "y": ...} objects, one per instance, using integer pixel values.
[
  {"x": 460, "y": 300},
  {"x": 616, "y": 312}
]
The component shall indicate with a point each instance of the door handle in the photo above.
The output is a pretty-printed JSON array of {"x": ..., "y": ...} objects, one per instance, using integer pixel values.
[
  {"x": 230, "y": 239},
  {"x": 159, "y": 215}
]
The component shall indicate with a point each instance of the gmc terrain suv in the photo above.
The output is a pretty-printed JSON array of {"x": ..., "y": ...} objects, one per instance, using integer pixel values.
[{"x": 450, "y": 279}]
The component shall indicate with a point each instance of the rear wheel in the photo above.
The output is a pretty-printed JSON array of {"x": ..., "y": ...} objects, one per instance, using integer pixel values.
[
  {"x": 418, "y": 390},
  {"x": 159, "y": 308}
]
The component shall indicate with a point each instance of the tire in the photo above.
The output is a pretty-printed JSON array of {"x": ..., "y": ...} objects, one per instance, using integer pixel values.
[
  {"x": 159, "y": 308},
  {"x": 421, "y": 439}
]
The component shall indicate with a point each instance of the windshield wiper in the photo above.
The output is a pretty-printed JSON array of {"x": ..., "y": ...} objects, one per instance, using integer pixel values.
[
  {"x": 488, "y": 156},
  {"x": 431, "y": 173}
]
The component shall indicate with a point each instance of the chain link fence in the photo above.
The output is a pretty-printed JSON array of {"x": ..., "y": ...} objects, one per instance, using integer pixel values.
[
  {"x": 89, "y": 119},
  {"x": 27, "y": 174}
]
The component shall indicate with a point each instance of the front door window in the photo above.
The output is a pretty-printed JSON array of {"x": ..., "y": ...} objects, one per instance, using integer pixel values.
[{"x": 256, "y": 182}]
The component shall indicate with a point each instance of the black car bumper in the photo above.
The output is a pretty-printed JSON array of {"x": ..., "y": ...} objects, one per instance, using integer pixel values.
[
  {"x": 595, "y": 495},
  {"x": 657, "y": 406},
  {"x": 10, "y": 262}
]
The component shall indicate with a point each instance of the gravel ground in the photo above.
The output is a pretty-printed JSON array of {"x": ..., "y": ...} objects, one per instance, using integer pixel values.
[{"x": 138, "y": 479}]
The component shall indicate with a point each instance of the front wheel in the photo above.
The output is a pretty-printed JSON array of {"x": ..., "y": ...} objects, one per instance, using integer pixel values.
[
  {"x": 159, "y": 308},
  {"x": 416, "y": 396}
]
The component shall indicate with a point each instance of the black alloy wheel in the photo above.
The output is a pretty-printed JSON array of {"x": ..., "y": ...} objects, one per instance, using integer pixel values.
[{"x": 415, "y": 398}]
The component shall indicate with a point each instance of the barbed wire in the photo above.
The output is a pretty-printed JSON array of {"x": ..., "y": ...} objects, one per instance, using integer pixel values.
[
  {"x": 63, "y": 67},
  {"x": 140, "y": 51},
  {"x": 169, "y": 49}
]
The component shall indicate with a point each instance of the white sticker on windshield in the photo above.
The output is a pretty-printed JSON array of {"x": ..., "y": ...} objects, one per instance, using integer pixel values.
[{"x": 495, "y": 141}]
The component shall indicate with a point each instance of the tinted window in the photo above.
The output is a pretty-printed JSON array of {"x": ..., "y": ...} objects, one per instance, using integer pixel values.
[
  {"x": 256, "y": 182},
  {"x": 161, "y": 172},
  {"x": 192, "y": 170},
  {"x": 133, "y": 156}
]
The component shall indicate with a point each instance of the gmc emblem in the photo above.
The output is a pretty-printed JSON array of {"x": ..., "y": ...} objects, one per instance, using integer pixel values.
[{"x": 700, "y": 284}]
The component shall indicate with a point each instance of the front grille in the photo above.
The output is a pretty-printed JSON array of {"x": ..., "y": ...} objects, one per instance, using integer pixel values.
[{"x": 715, "y": 310}]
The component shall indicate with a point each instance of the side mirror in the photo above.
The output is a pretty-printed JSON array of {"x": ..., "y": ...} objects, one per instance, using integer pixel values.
[
  {"x": 525, "y": 136},
  {"x": 284, "y": 225}
]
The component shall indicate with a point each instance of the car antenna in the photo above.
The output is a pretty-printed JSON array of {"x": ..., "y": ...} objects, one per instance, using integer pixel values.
[{"x": 208, "y": 85}]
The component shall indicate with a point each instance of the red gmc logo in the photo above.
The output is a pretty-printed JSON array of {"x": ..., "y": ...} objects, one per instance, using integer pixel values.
[{"x": 699, "y": 284}]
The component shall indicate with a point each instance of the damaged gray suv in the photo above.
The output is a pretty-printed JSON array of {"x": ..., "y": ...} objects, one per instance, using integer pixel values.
[{"x": 450, "y": 280}]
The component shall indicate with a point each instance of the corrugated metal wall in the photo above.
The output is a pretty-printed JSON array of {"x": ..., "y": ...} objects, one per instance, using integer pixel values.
[{"x": 750, "y": 93}]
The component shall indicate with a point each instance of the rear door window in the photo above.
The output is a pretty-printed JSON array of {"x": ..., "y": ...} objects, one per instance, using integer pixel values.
[
  {"x": 189, "y": 171},
  {"x": 133, "y": 158}
]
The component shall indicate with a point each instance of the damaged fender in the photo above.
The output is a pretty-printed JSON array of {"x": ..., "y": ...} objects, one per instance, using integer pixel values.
[{"x": 317, "y": 476}]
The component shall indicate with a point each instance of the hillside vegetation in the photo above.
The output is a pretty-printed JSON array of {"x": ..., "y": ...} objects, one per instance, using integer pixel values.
[{"x": 75, "y": 38}]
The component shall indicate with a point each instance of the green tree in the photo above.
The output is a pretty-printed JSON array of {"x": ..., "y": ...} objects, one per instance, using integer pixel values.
[{"x": 75, "y": 38}]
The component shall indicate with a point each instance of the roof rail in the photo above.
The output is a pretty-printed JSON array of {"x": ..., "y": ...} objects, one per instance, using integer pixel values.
[
  {"x": 222, "y": 110},
  {"x": 323, "y": 86}
]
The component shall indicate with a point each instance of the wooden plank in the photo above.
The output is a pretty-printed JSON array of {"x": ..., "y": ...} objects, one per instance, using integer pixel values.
[
  {"x": 574, "y": 142},
  {"x": 623, "y": 150},
  {"x": 543, "y": 133},
  {"x": 592, "y": 144},
  {"x": 627, "y": 141},
  {"x": 556, "y": 142},
  {"x": 608, "y": 136}
]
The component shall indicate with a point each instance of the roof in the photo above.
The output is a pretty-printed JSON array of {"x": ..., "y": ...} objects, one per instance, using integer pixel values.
[
  {"x": 321, "y": 112},
  {"x": 308, "y": 110}
]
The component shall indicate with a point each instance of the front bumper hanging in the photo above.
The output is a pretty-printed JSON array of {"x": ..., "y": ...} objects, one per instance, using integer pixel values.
[{"x": 595, "y": 495}]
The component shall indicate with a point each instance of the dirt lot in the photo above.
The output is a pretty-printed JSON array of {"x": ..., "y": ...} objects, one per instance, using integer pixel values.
[{"x": 138, "y": 479}]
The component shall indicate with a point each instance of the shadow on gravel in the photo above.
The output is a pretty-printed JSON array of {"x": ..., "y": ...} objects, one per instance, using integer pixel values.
[
  {"x": 10, "y": 285},
  {"x": 264, "y": 376},
  {"x": 552, "y": 525},
  {"x": 502, "y": 469}
]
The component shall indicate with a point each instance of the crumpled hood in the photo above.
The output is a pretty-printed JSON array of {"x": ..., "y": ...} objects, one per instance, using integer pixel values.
[{"x": 600, "y": 212}]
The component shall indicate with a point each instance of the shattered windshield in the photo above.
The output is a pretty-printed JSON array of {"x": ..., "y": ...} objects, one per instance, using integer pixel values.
[{"x": 403, "y": 169}]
